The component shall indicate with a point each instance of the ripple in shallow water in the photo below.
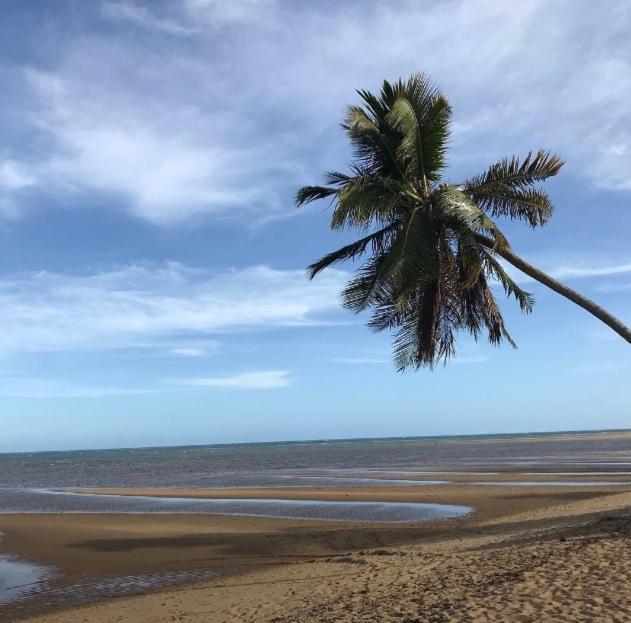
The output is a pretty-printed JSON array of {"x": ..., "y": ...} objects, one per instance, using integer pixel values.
[
  {"x": 44, "y": 596},
  {"x": 19, "y": 579}
]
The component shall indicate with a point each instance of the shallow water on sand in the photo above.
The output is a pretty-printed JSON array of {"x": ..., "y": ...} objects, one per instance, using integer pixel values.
[
  {"x": 552, "y": 483},
  {"x": 45, "y": 595},
  {"x": 18, "y": 579},
  {"x": 41, "y": 501}
]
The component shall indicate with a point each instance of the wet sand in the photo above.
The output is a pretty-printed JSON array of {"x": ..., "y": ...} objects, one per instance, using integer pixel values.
[{"x": 525, "y": 554}]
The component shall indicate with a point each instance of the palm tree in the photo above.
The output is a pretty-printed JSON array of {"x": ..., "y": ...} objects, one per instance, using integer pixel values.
[{"x": 431, "y": 249}]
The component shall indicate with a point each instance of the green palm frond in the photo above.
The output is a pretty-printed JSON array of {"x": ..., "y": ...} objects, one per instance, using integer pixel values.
[
  {"x": 410, "y": 258},
  {"x": 535, "y": 167},
  {"x": 364, "y": 199},
  {"x": 493, "y": 268},
  {"x": 307, "y": 194},
  {"x": 333, "y": 178},
  {"x": 422, "y": 115},
  {"x": 529, "y": 204},
  {"x": 506, "y": 188},
  {"x": 416, "y": 341},
  {"x": 370, "y": 285},
  {"x": 377, "y": 240},
  {"x": 428, "y": 267},
  {"x": 373, "y": 144},
  {"x": 426, "y": 333},
  {"x": 480, "y": 310},
  {"x": 452, "y": 206}
]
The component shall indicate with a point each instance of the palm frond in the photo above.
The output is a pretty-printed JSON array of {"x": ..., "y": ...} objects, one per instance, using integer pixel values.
[
  {"x": 364, "y": 199},
  {"x": 410, "y": 258},
  {"x": 459, "y": 212},
  {"x": 499, "y": 199},
  {"x": 525, "y": 300},
  {"x": 374, "y": 146},
  {"x": 425, "y": 336},
  {"x": 535, "y": 167},
  {"x": 370, "y": 285},
  {"x": 355, "y": 249},
  {"x": 479, "y": 311},
  {"x": 307, "y": 194},
  {"x": 422, "y": 115}
]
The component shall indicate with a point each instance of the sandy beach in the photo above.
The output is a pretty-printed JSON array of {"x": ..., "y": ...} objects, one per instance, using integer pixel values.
[{"x": 527, "y": 553}]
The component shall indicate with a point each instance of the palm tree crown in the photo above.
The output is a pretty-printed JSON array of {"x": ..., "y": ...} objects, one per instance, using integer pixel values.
[{"x": 430, "y": 253}]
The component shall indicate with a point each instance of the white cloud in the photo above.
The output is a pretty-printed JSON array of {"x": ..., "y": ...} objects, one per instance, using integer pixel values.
[
  {"x": 35, "y": 387},
  {"x": 141, "y": 306},
  {"x": 586, "y": 271},
  {"x": 190, "y": 17},
  {"x": 360, "y": 360},
  {"x": 470, "y": 360},
  {"x": 231, "y": 120},
  {"x": 189, "y": 352},
  {"x": 141, "y": 16},
  {"x": 159, "y": 161},
  {"x": 579, "y": 268},
  {"x": 267, "y": 379},
  {"x": 219, "y": 12},
  {"x": 614, "y": 287},
  {"x": 14, "y": 176}
]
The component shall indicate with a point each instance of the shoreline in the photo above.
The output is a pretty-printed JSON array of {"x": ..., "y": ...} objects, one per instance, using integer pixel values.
[{"x": 265, "y": 550}]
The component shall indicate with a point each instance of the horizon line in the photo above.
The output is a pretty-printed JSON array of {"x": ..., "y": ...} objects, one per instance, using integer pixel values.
[{"x": 328, "y": 440}]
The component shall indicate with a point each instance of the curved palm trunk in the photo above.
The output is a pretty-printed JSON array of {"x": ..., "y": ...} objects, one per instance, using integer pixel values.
[{"x": 611, "y": 321}]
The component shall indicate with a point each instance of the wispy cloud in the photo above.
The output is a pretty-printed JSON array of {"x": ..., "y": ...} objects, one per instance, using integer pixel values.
[
  {"x": 162, "y": 160},
  {"x": 189, "y": 351},
  {"x": 13, "y": 176},
  {"x": 37, "y": 387},
  {"x": 140, "y": 15},
  {"x": 614, "y": 287},
  {"x": 267, "y": 379},
  {"x": 218, "y": 12},
  {"x": 578, "y": 268},
  {"x": 153, "y": 306},
  {"x": 586, "y": 271},
  {"x": 14, "y": 179},
  {"x": 360, "y": 360},
  {"x": 472, "y": 359},
  {"x": 166, "y": 126}
]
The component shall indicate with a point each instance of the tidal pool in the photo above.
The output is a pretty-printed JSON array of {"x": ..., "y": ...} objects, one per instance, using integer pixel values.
[
  {"x": 42, "y": 501},
  {"x": 552, "y": 483},
  {"x": 18, "y": 578}
]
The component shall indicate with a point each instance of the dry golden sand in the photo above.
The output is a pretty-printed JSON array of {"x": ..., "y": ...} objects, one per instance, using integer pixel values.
[{"x": 540, "y": 554}]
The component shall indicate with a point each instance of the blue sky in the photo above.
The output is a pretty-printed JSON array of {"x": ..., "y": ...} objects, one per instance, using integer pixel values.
[{"x": 152, "y": 286}]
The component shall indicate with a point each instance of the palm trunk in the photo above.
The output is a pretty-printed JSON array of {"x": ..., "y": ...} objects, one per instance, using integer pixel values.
[{"x": 611, "y": 321}]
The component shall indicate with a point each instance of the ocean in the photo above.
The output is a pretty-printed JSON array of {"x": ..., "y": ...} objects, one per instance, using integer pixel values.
[
  {"x": 300, "y": 463},
  {"x": 38, "y": 482}
]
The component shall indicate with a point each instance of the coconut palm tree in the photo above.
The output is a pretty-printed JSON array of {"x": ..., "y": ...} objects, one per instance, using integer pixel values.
[{"x": 431, "y": 250}]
